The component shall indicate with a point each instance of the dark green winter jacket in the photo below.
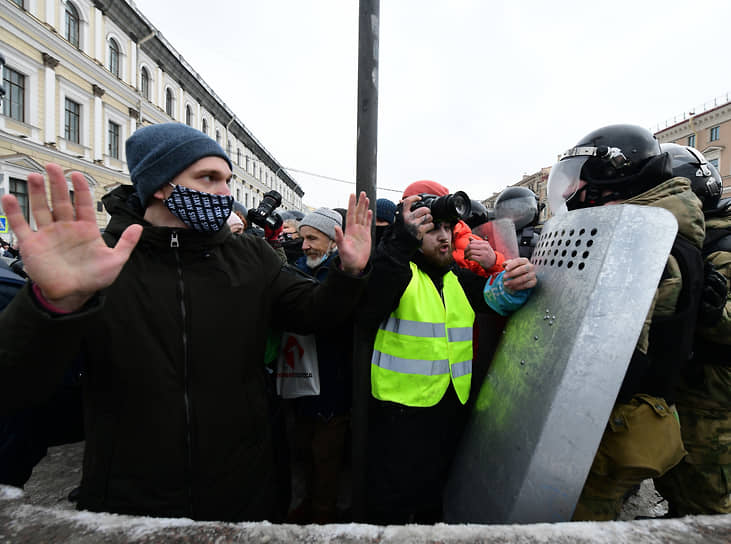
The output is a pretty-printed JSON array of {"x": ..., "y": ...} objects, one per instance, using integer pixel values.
[{"x": 174, "y": 395}]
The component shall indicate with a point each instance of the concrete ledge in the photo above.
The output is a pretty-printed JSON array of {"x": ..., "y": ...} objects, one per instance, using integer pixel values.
[{"x": 24, "y": 522}]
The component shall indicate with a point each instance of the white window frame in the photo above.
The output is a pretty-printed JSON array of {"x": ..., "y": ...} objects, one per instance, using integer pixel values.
[
  {"x": 121, "y": 45},
  {"x": 70, "y": 91},
  {"x": 30, "y": 69},
  {"x": 110, "y": 114},
  {"x": 82, "y": 8}
]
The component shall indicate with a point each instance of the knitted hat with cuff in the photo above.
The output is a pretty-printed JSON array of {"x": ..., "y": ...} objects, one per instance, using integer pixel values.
[
  {"x": 158, "y": 153},
  {"x": 324, "y": 220}
]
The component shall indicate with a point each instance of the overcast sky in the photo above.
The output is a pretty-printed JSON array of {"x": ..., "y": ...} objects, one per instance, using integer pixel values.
[{"x": 472, "y": 93}]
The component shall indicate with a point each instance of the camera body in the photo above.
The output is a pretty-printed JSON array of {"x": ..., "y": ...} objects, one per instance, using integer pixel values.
[
  {"x": 449, "y": 208},
  {"x": 264, "y": 215}
]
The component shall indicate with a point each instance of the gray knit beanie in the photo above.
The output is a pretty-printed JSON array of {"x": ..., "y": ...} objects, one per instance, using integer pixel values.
[
  {"x": 324, "y": 220},
  {"x": 158, "y": 153}
]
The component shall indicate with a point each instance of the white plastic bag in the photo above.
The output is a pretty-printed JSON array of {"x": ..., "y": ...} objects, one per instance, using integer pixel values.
[{"x": 298, "y": 373}]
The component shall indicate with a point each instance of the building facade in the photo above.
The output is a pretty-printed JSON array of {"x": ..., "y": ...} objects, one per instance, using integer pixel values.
[
  {"x": 710, "y": 133},
  {"x": 81, "y": 76}
]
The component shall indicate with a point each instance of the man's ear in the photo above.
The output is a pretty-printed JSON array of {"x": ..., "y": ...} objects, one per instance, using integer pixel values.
[{"x": 160, "y": 194}]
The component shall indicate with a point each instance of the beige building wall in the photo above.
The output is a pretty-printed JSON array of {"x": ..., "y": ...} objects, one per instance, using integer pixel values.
[
  {"x": 708, "y": 131},
  {"x": 34, "y": 44}
]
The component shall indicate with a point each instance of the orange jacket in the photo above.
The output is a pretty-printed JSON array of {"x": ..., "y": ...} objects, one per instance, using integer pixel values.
[{"x": 462, "y": 234}]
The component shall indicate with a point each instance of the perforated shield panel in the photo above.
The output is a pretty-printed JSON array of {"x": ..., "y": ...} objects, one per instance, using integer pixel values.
[{"x": 542, "y": 409}]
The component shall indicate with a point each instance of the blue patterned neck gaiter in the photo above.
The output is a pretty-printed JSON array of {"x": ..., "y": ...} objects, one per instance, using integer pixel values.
[{"x": 204, "y": 212}]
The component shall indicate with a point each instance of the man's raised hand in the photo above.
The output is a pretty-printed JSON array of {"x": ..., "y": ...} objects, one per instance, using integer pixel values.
[
  {"x": 66, "y": 256},
  {"x": 354, "y": 246}
]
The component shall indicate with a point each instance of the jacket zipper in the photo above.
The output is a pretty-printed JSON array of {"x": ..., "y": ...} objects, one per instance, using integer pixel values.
[{"x": 175, "y": 244}]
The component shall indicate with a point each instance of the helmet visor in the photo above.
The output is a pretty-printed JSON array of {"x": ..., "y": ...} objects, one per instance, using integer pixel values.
[{"x": 563, "y": 182}]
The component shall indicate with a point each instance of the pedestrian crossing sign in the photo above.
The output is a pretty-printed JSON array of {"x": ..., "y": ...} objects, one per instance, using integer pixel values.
[{"x": 3, "y": 224}]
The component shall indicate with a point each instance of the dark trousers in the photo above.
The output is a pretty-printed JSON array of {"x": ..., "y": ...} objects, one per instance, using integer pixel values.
[{"x": 410, "y": 451}]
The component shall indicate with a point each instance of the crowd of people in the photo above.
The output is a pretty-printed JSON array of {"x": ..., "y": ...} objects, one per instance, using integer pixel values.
[{"x": 159, "y": 341}]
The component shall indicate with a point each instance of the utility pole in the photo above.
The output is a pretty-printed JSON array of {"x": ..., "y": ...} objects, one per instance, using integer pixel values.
[{"x": 367, "y": 151}]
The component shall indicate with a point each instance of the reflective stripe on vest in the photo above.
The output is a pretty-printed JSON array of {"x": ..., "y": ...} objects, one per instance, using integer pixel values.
[{"x": 424, "y": 344}]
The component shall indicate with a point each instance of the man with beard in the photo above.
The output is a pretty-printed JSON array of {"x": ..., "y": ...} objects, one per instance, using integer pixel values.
[
  {"x": 422, "y": 308},
  {"x": 321, "y": 421}
]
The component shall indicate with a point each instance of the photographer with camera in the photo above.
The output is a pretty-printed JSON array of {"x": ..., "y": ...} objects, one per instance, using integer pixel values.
[
  {"x": 420, "y": 308},
  {"x": 470, "y": 251}
]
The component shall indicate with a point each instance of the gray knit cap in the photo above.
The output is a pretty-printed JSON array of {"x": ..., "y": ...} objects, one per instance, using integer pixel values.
[{"x": 324, "y": 220}]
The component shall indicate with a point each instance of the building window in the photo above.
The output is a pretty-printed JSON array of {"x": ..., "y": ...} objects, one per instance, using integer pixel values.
[
  {"x": 238, "y": 156},
  {"x": 714, "y": 134},
  {"x": 218, "y": 137},
  {"x": 145, "y": 83},
  {"x": 113, "y": 57},
  {"x": 691, "y": 140},
  {"x": 714, "y": 162},
  {"x": 19, "y": 189},
  {"x": 228, "y": 148},
  {"x": 113, "y": 140},
  {"x": 188, "y": 116},
  {"x": 169, "y": 102},
  {"x": 204, "y": 127},
  {"x": 71, "y": 121},
  {"x": 14, "y": 103},
  {"x": 72, "y": 24}
]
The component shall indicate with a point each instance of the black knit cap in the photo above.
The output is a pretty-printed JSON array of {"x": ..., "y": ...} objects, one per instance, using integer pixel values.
[{"x": 158, "y": 153}]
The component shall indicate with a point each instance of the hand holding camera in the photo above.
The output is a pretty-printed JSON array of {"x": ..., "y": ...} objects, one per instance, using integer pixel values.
[{"x": 417, "y": 220}]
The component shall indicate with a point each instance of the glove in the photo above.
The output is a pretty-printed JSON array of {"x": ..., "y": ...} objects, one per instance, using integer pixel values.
[
  {"x": 272, "y": 236},
  {"x": 713, "y": 296}
]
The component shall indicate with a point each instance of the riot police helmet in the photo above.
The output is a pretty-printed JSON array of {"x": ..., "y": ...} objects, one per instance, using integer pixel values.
[
  {"x": 704, "y": 178},
  {"x": 519, "y": 204},
  {"x": 612, "y": 163}
]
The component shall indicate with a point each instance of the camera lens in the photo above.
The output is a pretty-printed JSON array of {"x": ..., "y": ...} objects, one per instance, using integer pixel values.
[{"x": 461, "y": 204}]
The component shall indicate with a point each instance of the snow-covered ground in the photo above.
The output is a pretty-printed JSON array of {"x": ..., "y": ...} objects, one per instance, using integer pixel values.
[{"x": 41, "y": 513}]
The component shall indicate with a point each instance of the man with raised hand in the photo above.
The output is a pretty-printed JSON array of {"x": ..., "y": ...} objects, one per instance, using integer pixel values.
[{"x": 170, "y": 313}]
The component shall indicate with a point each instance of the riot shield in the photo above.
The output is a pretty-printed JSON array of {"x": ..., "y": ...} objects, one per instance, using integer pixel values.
[
  {"x": 543, "y": 406},
  {"x": 501, "y": 235}
]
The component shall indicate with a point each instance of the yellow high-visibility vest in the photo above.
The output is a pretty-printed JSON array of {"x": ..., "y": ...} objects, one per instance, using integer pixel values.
[{"x": 424, "y": 344}]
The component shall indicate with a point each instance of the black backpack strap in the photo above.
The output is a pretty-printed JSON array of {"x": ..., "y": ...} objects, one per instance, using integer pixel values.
[{"x": 671, "y": 337}]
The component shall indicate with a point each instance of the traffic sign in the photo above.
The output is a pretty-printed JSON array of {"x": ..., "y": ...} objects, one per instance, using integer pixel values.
[{"x": 3, "y": 224}]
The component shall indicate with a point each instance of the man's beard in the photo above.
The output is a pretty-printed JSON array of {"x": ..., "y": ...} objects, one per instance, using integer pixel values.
[
  {"x": 440, "y": 259},
  {"x": 314, "y": 262}
]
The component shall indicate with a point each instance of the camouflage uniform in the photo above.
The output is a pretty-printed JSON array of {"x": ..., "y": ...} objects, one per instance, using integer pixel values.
[
  {"x": 642, "y": 439},
  {"x": 701, "y": 483}
]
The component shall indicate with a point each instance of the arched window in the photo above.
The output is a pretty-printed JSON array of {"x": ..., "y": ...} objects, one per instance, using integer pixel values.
[
  {"x": 188, "y": 116},
  {"x": 113, "y": 57},
  {"x": 145, "y": 83},
  {"x": 72, "y": 24},
  {"x": 169, "y": 102},
  {"x": 204, "y": 127}
]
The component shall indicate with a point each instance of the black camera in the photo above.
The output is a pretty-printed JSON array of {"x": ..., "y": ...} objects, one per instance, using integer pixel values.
[
  {"x": 449, "y": 208},
  {"x": 264, "y": 215}
]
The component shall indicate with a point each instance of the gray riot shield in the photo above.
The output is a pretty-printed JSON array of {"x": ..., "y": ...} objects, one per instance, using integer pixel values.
[{"x": 543, "y": 406}]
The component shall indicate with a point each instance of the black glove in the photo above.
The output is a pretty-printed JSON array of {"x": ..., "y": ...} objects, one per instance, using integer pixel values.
[{"x": 713, "y": 297}]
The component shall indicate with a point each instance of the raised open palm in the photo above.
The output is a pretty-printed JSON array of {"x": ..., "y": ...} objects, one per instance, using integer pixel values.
[
  {"x": 354, "y": 246},
  {"x": 66, "y": 257}
]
